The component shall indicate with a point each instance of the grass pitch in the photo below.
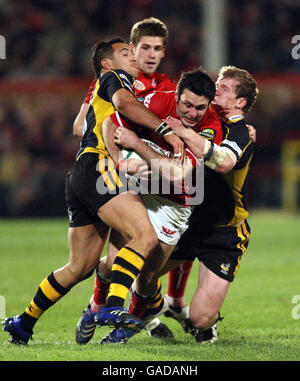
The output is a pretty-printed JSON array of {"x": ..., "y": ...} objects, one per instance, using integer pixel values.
[{"x": 260, "y": 315}]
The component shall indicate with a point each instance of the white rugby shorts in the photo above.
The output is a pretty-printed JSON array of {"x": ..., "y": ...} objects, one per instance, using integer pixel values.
[{"x": 170, "y": 220}]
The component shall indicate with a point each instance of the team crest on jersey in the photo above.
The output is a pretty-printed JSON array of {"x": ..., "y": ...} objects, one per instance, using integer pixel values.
[
  {"x": 168, "y": 232},
  {"x": 140, "y": 99},
  {"x": 208, "y": 133},
  {"x": 225, "y": 268},
  {"x": 139, "y": 85}
]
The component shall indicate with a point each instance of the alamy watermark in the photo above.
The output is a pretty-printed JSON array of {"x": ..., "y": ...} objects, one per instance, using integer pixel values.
[
  {"x": 2, "y": 48},
  {"x": 296, "y": 49},
  {"x": 296, "y": 309},
  {"x": 188, "y": 189},
  {"x": 2, "y": 307}
]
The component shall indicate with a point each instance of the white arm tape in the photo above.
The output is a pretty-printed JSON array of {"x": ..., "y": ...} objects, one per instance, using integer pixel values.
[
  {"x": 207, "y": 145},
  {"x": 219, "y": 155}
]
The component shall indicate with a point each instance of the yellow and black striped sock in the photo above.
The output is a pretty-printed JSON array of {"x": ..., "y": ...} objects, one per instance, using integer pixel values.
[
  {"x": 48, "y": 293},
  {"x": 126, "y": 267},
  {"x": 157, "y": 300}
]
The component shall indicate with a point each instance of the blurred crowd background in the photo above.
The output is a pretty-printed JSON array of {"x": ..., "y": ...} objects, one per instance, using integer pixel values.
[{"x": 47, "y": 72}]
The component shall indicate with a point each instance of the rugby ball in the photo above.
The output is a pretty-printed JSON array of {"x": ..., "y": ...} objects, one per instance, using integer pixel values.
[{"x": 131, "y": 154}]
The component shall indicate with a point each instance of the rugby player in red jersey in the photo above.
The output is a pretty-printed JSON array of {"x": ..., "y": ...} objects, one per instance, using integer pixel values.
[
  {"x": 168, "y": 212},
  {"x": 148, "y": 40},
  {"x": 218, "y": 232}
]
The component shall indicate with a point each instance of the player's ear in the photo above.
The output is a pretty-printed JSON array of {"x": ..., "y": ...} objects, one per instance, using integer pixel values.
[
  {"x": 132, "y": 47},
  {"x": 241, "y": 102},
  {"x": 106, "y": 63}
]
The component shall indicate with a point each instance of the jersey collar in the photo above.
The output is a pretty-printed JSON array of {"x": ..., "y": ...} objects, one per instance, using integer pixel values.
[{"x": 235, "y": 118}]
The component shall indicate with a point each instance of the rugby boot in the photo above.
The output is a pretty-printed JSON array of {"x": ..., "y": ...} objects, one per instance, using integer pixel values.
[
  {"x": 208, "y": 336},
  {"x": 118, "y": 317},
  {"x": 118, "y": 336},
  {"x": 13, "y": 326},
  {"x": 122, "y": 335},
  {"x": 155, "y": 328},
  {"x": 85, "y": 327},
  {"x": 181, "y": 314}
]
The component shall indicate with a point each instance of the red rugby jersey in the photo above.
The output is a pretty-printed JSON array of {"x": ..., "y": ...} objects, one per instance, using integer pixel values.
[
  {"x": 90, "y": 91},
  {"x": 163, "y": 104},
  {"x": 143, "y": 85}
]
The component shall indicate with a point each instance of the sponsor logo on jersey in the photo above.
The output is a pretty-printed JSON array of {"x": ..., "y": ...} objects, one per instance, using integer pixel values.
[
  {"x": 139, "y": 85},
  {"x": 148, "y": 100},
  {"x": 208, "y": 133},
  {"x": 128, "y": 86},
  {"x": 126, "y": 81},
  {"x": 124, "y": 77},
  {"x": 70, "y": 215}
]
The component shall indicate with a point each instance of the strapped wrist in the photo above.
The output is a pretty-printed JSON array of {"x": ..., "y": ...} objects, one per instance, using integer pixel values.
[
  {"x": 208, "y": 150},
  {"x": 163, "y": 129}
]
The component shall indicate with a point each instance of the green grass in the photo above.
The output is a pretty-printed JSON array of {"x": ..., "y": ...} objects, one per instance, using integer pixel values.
[{"x": 257, "y": 326}]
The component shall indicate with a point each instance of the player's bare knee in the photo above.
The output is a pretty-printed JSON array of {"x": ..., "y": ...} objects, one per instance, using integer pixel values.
[
  {"x": 202, "y": 321},
  {"x": 146, "y": 238},
  {"x": 80, "y": 270},
  {"x": 149, "y": 237},
  {"x": 72, "y": 274}
]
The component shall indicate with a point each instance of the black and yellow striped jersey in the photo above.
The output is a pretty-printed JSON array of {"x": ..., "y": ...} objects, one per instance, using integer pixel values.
[
  {"x": 100, "y": 108},
  {"x": 224, "y": 194}
]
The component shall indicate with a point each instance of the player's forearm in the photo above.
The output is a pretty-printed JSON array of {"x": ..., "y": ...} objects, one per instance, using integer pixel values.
[
  {"x": 226, "y": 166},
  {"x": 220, "y": 159},
  {"x": 147, "y": 153},
  {"x": 127, "y": 105},
  {"x": 108, "y": 129},
  {"x": 79, "y": 121},
  {"x": 164, "y": 166},
  {"x": 193, "y": 140}
]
